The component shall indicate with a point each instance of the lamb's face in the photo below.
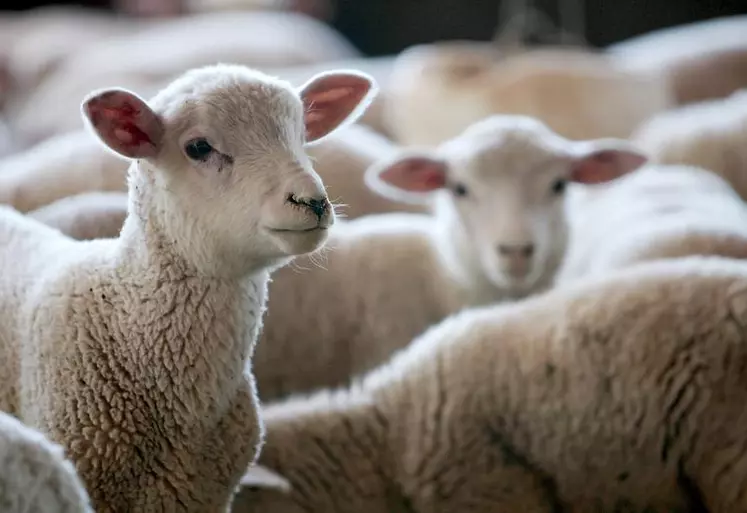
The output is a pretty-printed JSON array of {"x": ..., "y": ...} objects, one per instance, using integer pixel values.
[
  {"x": 223, "y": 147},
  {"x": 501, "y": 186},
  {"x": 511, "y": 207},
  {"x": 236, "y": 160}
]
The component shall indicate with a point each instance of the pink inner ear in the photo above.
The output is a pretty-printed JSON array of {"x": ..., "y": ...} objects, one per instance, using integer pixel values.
[
  {"x": 605, "y": 166},
  {"x": 125, "y": 123},
  {"x": 416, "y": 174},
  {"x": 329, "y": 100}
]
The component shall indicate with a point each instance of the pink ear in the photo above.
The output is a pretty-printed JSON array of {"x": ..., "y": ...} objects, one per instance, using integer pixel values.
[
  {"x": 415, "y": 174},
  {"x": 125, "y": 123},
  {"x": 599, "y": 165},
  {"x": 331, "y": 98}
]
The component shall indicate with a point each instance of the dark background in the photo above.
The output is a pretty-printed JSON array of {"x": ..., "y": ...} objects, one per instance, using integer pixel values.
[{"x": 380, "y": 27}]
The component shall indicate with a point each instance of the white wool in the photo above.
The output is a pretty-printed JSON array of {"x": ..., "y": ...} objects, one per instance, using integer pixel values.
[
  {"x": 624, "y": 392},
  {"x": 35, "y": 476},
  {"x": 711, "y": 135},
  {"x": 658, "y": 212}
]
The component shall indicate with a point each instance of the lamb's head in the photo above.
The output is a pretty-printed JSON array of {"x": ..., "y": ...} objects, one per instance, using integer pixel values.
[
  {"x": 221, "y": 168},
  {"x": 498, "y": 189}
]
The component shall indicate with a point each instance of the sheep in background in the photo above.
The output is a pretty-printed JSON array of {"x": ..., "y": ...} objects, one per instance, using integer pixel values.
[
  {"x": 437, "y": 90},
  {"x": 33, "y": 43},
  {"x": 150, "y": 58},
  {"x": 712, "y": 135},
  {"x": 620, "y": 393},
  {"x": 700, "y": 61},
  {"x": 35, "y": 476},
  {"x": 498, "y": 232},
  {"x": 657, "y": 212},
  {"x": 87, "y": 216},
  {"x": 61, "y": 166},
  {"x": 150, "y": 389}
]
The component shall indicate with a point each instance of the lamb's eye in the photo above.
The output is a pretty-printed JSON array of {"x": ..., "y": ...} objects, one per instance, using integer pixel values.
[
  {"x": 198, "y": 149},
  {"x": 558, "y": 186},
  {"x": 459, "y": 189}
]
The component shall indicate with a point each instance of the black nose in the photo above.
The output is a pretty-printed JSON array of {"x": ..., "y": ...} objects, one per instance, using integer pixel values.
[
  {"x": 525, "y": 250},
  {"x": 318, "y": 206}
]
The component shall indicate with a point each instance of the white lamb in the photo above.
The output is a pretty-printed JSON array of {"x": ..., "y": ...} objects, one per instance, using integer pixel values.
[
  {"x": 625, "y": 393},
  {"x": 710, "y": 134},
  {"x": 35, "y": 476},
  {"x": 498, "y": 233},
  {"x": 657, "y": 212},
  {"x": 134, "y": 353}
]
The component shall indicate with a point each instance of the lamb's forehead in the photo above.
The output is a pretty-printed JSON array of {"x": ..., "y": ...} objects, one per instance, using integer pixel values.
[
  {"x": 232, "y": 99},
  {"x": 502, "y": 145}
]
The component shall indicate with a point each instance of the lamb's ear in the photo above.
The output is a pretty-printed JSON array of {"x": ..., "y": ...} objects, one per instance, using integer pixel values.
[
  {"x": 124, "y": 122},
  {"x": 604, "y": 160},
  {"x": 258, "y": 476},
  {"x": 334, "y": 98},
  {"x": 409, "y": 177}
]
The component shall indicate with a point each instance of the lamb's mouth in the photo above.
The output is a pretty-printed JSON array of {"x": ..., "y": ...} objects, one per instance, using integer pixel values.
[{"x": 299, "y": 230}]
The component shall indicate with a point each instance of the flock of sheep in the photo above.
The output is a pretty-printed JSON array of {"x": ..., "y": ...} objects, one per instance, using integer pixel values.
[{"x": 237, "y": 293}]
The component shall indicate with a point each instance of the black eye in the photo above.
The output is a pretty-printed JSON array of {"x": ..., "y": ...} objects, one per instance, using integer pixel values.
[
  {"x": 558, "y": 186},
  {"x": 198, "y": 149},
  {"x": 460, "y": 190}
]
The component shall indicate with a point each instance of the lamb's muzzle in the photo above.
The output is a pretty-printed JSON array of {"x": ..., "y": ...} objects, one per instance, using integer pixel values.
[{"x": 516, "y": 259}]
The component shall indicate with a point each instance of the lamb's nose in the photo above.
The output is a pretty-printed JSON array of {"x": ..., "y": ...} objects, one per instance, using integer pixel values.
[
  {"x": 319, "y": 206},
  {"x": 516, "y": 250}
]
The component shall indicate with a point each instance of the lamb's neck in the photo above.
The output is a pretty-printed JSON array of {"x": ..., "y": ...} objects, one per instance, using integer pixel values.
[
  {"x": 332, "y": 448},
  {"x": 172, "y": 288}
]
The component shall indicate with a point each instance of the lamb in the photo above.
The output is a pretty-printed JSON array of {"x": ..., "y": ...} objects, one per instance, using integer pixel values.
[
  {"x": 619, "y": 393},
  {"x": 497, "y": 233},
  {"x": 36, "y": 477},
  {"x": 92, "y": 215},
  {"x": 657, "y": 212},
  {"x": 436, "y": 90},
  {"x": 150, "y": 389},
  {"x": 710, "y": 134}
]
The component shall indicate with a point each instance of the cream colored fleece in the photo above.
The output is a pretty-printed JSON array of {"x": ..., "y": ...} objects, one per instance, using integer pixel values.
[{"x": 623, "y": 393}]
